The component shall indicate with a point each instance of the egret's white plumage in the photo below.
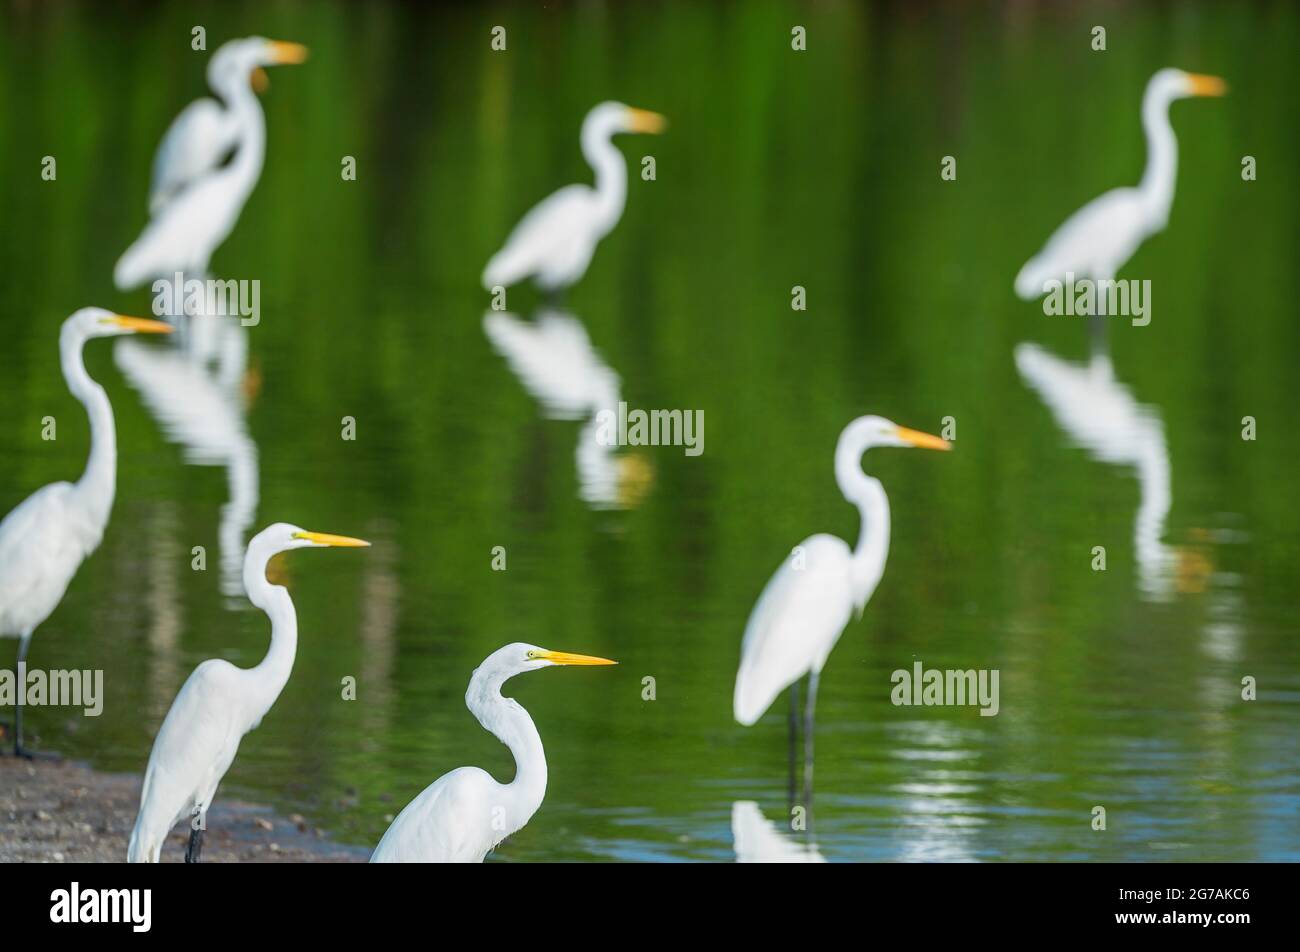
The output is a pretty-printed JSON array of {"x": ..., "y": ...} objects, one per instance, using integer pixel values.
[
  {"x": 554, "y": 242},
  {"x": 1099, "y": 238},
  {"x": 464, "y": 814},
  {"x": 803, "y": 610},
  {"x": 194, "y": 200},
  {"x": 44, "y": 539},
  {"x": 219, "y": 703}
]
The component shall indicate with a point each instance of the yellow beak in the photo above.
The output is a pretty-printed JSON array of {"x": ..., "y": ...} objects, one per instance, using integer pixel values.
[
  {"x": 642, "y": 120},
  {"x": 139, "y": 325},
  {"x": 259, "y": 80},
  {"x": 324, "y": 538},
  {"x": 563, "y": 657},
  {"x": 288, "y": 53},
  {"x": 923, "y": 440},
  {"x": 1203, "y": 85}
]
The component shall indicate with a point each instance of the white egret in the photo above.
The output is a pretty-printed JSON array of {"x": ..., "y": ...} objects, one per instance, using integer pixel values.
[
  {"x": 1099, "y": 238},
  {"x": 555, "y": 361},
  {"x": 44, "y": 540},
  {"x": 464, "y": 814},
  {"x": 217, "y": 705},
  {"x": 804, "y": 607},
  {"x": 554, "y": 242},
  {"x": 195, "y": 200}
]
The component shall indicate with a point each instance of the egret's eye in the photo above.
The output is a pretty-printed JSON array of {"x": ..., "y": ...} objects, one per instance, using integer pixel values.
[{"x": 532, "y": 654}]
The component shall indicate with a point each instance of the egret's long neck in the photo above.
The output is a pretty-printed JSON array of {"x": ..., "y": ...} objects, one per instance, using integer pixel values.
[
  {"x": 272, "y": 673},
  {"x": 865, "y": 492},
  {"x": 98, "y": 483},
  {"x": 611, "y": 175},
  {"x": 1157, "y": 185},
  {"x": 509, "y": 722},
  {"x": 251, "y": 151}
]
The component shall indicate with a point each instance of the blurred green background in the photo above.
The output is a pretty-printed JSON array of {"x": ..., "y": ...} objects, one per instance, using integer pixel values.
[{"x": 781, "y": 168}]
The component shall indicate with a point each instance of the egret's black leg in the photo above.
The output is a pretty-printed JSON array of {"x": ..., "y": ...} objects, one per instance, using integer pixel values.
[
  {"x": 196, "y": 843},
  {"x": 554, "y": 298},
  {"x": 1097, "y": 332},
  {"x": 19, "y": 702},
  {"x": 794, "y": 740},
  {"x": 808, "y": 731},
  {"x": 23, "y": 642}
]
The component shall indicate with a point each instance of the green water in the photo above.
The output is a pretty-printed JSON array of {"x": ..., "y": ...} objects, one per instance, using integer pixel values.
[{"x": 820, "y": 169}]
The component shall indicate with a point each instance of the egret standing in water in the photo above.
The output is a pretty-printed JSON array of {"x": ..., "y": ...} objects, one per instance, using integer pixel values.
[
  {"x": 217, "y": 705},
  {"x": 464, "y": 814},
  {"x": 806, "y": 604},
  {"x": 1099, "y": 238},
  {"x": 554, "y": 242},
  {"x": 195, "y": 199},
  {"x": 45, "y": 539}
]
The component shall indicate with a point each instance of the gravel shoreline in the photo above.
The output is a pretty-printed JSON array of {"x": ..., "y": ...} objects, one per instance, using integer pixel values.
[{"x": 54, "y": 811}]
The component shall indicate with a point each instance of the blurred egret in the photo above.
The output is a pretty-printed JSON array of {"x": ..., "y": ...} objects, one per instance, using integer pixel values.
[
  {"x": 46, "y": 537},
  {"x": 804, "y": 607},
  {"x": 195, "y": 200},
  {"x": 554, "y": 242},
  {"x": 464, "y": 814},
  {"x": 217, "y": 705},
  {"x": 1099, "y": 238}
]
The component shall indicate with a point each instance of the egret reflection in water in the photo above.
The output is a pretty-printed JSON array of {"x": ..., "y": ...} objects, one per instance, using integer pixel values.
[
  {"x": 1099, "y": 414},
  {"x": 555, "y": 361},
  {"x": 758, "y": 840},
  {"x": 200, "y": 405}
]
